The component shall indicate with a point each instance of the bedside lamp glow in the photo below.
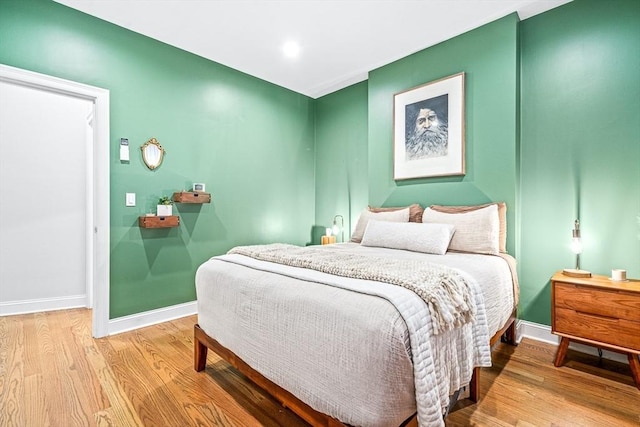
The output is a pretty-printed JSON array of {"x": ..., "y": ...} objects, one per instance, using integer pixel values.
[
  {"x": 576, "y": 243},
  {"x": 576, "y": 248},
  {"x": 338, "y": 228}
]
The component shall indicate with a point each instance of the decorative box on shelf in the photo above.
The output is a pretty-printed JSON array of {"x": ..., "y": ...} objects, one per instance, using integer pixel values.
[
  {"x": 149, "y": 221},
  {"x": 192, "y": 197}
]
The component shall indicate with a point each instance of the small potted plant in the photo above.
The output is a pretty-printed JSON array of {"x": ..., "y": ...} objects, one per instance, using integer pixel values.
[{"x": 164, "y": 207}]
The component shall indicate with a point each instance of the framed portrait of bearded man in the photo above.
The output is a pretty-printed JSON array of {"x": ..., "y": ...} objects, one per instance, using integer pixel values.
[{"x": 428, "y": 130}]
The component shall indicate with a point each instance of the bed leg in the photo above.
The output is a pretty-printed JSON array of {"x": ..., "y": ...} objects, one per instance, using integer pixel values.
[
  {"x": 199, "y": 351},
  {"x": 474, "y": 386},
  {"x": 510, "y": 334}
]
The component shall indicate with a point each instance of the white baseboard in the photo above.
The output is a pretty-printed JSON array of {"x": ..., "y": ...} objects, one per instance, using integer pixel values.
[
  {"x": 538, "y": 332},
  {"x": 11, "y": 308},
  {"x": 151, "y": 317}
]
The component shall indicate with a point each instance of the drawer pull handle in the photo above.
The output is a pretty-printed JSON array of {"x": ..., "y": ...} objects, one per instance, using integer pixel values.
[{"x": 599, "y": 316}]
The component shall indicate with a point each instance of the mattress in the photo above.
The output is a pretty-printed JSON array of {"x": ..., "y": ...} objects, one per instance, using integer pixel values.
[{"x": 351, "y": 348}]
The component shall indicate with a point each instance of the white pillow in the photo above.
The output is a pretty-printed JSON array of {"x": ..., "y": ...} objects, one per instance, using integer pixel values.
[
  {"x": 476, "y": 231},
  {"x": 401, "y": 215},
  {"x": 410, "y": 236}
]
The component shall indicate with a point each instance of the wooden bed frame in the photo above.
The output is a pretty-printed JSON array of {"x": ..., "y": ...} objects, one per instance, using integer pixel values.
[{"x": 203, "y": 342}]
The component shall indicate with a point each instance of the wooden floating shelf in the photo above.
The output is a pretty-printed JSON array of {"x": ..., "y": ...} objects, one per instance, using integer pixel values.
[
  {"x": 159, "y": 221},
  {"x": 192, "y": 197}
]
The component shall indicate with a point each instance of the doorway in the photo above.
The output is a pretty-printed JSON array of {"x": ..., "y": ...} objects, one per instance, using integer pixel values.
[{"x": 54, "y": 218}]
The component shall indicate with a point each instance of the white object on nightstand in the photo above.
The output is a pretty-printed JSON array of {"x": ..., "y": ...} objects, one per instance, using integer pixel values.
[{"x": 619, "y": 275}]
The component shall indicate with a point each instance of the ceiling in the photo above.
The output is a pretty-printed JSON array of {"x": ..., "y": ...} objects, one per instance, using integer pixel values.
[{"x": 340, "y": 41}]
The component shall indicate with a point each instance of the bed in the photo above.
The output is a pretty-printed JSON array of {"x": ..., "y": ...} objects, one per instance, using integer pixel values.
[{"x": 340, "y": 347}]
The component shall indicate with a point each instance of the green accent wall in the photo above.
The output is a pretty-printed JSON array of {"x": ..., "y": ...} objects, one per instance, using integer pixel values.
[
  {"x": 341, "y": 157},
  {"x": 552, "y": 127},
  {"x": 488, "y": 56},
  {"x": 250, "y": 141},
  {"x": 580, "y": 144}
]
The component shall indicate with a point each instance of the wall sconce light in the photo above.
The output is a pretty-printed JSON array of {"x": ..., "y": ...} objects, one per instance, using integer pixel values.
[
  {"x": 339, "y": 228},
  {"x": 576, "y": 248}
]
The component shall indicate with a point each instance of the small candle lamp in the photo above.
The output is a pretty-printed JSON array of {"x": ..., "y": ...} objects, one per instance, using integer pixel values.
[{"x": 328, "y": 238}]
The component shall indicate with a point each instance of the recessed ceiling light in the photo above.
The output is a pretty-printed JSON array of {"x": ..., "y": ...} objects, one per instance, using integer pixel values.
[{"x": 291, "y": 49}]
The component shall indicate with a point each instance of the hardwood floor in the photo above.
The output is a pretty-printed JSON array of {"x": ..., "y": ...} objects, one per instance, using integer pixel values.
[
  {"x": 52, "y": 373},
  {"x": 524, "y": 388}
]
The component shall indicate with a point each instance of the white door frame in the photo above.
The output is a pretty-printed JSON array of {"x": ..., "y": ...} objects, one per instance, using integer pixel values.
[{"x": 98, "y": 218}]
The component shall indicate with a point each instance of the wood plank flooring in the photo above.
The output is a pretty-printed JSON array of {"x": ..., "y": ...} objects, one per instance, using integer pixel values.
[{"x": 53, "y": 373}]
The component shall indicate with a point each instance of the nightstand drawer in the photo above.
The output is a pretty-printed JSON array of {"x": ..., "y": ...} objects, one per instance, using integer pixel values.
[
  {"x": 599, "y": 301},
  {"x": 608, "y": 330},
  {"x": 597, "y": 311}
]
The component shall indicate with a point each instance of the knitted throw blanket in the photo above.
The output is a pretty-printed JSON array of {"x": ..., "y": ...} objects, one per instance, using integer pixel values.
[{"x": 447, "y": 294}]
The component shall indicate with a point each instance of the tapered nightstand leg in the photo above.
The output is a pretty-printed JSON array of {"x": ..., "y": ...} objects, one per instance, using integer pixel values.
[
  {"x": 562, "y": 351},
  {"x": 634, "y": 364}
]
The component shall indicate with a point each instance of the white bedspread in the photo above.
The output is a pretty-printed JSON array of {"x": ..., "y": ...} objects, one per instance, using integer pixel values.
[
  {"x": 358, "y": 350},
  {"x": 443, "y": 289}
]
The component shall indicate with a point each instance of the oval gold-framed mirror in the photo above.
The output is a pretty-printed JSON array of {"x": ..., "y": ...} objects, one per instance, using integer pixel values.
[{"x": 152, "y": 153}]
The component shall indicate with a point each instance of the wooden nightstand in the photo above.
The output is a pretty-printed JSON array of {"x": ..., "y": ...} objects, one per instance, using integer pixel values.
[{"x": 597, "y": 311}]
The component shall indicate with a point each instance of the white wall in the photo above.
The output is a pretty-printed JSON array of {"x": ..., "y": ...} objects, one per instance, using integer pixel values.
[{"x": 43, "y": 201}]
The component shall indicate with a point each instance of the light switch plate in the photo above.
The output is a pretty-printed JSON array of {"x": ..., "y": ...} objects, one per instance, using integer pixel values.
[{"x": 130, "y": 199}]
